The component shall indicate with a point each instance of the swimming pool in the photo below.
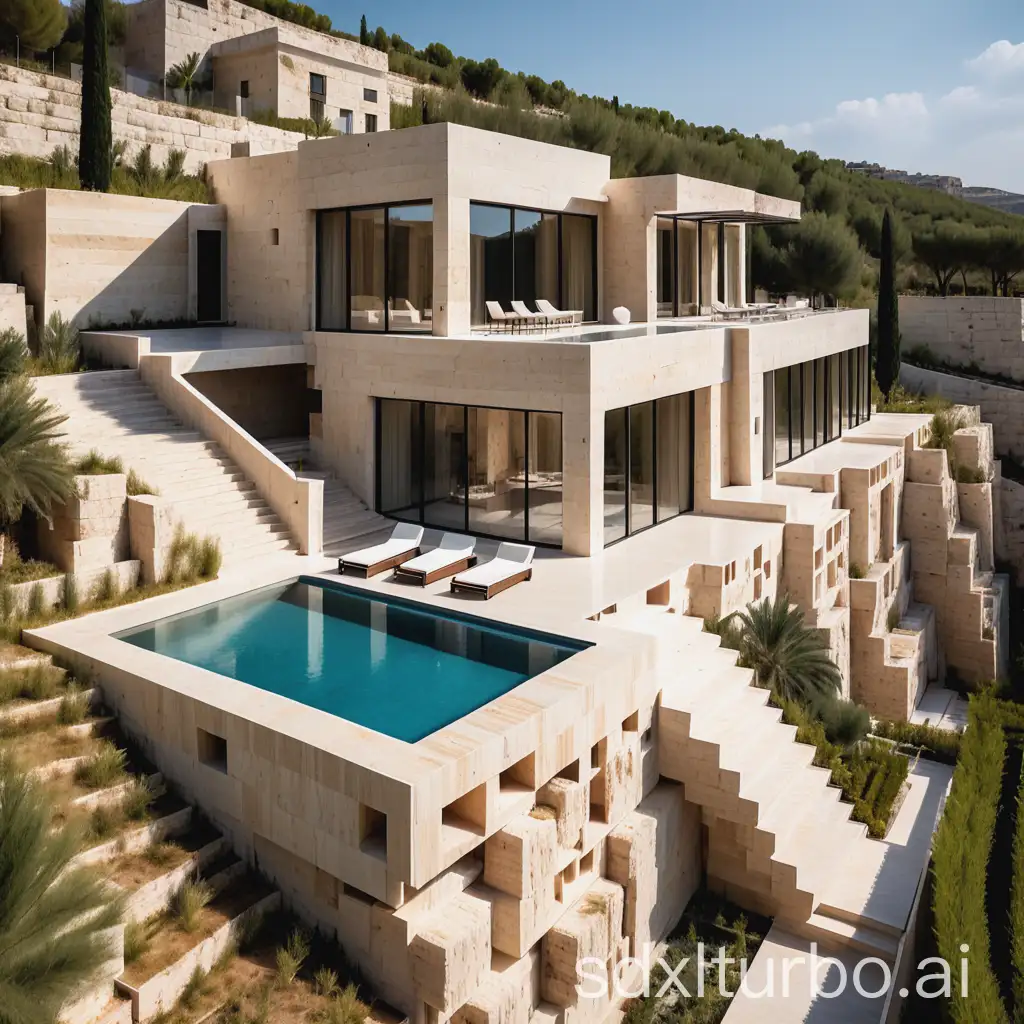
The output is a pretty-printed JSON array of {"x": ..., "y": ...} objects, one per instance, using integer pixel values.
[{"x": 385, "y": 663}]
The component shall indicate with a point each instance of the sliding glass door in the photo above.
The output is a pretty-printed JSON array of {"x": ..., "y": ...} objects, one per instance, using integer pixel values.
[
  {"x": 375, "y": 268},
  {"x": 813, "y": 402},
  {"x": 471, "y": 469},
  {"x": 648, "y": 465},
  {"x": 526, "y": 255}
]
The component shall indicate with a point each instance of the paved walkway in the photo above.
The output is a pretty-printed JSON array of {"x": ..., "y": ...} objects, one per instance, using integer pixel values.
[{"x": 942, "y": 708}]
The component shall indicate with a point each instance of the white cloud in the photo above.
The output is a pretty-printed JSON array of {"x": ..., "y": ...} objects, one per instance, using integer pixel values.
[
  {"x": 974, "y": 130},
  {"x": 1000, "y": 58}
]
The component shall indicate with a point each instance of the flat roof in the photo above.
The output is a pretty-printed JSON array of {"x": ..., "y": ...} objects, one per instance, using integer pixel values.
[{"x": 729, "y": 216}]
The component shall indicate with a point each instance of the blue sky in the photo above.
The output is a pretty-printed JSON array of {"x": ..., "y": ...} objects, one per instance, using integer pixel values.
[{"x": 916, "y": 84}]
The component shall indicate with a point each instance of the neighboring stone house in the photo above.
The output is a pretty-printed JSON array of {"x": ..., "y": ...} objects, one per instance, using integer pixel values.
[{"x": 259, "y": 62}]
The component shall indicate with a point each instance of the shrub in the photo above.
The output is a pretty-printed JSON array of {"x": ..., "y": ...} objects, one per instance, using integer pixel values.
[
  {"x": 69, "y": 598},
  {"x": 104, "y": 768},
  {"x": 892, "y": 620},
  {"x": 136, "y": 941},
  {"x": 1017, "y": 908},
  {"x": 13, "y": 353},
  {"x": 95, "y": 464},
  {"x": 107, "y": 588},
  {"x": 970, "y": 475},
  {"x": 878, "y": 774},
  {"x": 845, "y": 724},
  {"x": 36, "y": 682},
  {"x": 137, "y": 800},
  {"x": 963, "y": 843},
  {"x": 209, "y": 558},
  {"x": 8, "y": 602},
  {"x": 59, "y": 347},
  {"x": 935, "y": 744},
  {"x": 36, "y": 601},
  {"x": 188, "y": 903},
  {"x": 74, "y": 706},
  {"x": 135, "y": 485},
  {"x": 728, "y": 629},
  {"x": 325, "y": 981},
  {"x": 856, "y": 571},
  {"x": 346, "y": 1007},
  {"x": 291, "y": 956}
]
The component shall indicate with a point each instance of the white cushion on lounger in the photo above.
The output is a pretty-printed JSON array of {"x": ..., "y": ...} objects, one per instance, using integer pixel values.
[
  {"x": 404, "y": 537},
  {"x": 510, "y": 559},
  {"x": 453, "y": 548}
]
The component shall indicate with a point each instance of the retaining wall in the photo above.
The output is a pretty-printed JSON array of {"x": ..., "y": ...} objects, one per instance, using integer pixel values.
[
  {"x": 1003, "y": 407},
  {"x": 981, "y": 329},
  {"x": 40, "y": 112}
]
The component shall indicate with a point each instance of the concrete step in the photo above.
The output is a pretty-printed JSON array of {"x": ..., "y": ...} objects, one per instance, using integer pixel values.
[{"x": 863, "y": 937}]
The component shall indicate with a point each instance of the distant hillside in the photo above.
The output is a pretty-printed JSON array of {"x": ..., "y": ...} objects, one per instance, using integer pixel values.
[{"x": 996, "y": 198}]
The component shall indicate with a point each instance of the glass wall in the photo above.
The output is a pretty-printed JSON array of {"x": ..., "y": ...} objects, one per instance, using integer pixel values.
[
  {"x": 648, "y": 464},
  {"x": 678, "y": 273},
  {"x": 813, "y": 401},
  {"x": 528, "y": 255},
  {"x": 375, "y": 268},
  {"x": 493, "y": 472}
]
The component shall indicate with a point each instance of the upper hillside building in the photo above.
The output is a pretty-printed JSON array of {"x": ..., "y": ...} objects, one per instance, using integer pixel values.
[{"x": 258, "y": 62}]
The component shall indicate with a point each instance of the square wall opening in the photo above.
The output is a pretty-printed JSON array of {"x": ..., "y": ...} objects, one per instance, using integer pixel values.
[{"x": 212, "y": 749}]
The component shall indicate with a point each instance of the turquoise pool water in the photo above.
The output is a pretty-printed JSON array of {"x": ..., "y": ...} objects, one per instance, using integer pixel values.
[{"x": 385, "y": 664}]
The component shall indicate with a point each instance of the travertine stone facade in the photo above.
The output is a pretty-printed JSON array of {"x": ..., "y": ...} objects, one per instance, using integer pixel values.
[
  {"x": 90, "y": 530},
  {"x": 96, "y": 258},
  {"x": 981, "y": 329},
  {"x": 39, "y": 113},
  {"x": 1003, "y": 407}
]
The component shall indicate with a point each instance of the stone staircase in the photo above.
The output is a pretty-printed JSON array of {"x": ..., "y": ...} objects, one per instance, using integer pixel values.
[
  {"x": 779, "y": 840},
  {"x": 346, "y": 517},
  {"x": 115, "y": 413}
]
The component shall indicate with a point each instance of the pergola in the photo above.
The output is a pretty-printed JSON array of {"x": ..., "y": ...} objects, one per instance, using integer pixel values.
[{"x": 719, "y": 218}]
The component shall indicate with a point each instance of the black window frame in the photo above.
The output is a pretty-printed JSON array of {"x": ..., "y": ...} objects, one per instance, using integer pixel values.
[
  {"x": 853, "y": 411},
  {"x": 656, "y": 519},
  {"x": 318, "y": 93},
  {"x": 348, "y": 211},
  {"x": 369, "y": 95},
  {"x": 592, "y": 217},
  {"x": 243, "y": 88},
  {"x": 370, "y": 124},
  {"x": 464, "y": 474}
]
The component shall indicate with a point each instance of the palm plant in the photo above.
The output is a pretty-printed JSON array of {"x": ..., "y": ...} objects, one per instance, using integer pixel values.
[
  {"x": 788, "y": 657},
  {"x": 183, "y": 75},
  {"x": 59, "y": 346},
  {"x": 53, "y": 918},
  {"x": 34, "y": 466},
  {"x": 13, "y": 353}
]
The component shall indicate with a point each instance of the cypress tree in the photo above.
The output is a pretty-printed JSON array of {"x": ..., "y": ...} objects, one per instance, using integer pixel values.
[
  {"x": 94, "y": 157},
  {"x": 887, "y": 357},
  {"x": 364, "y": 32}
]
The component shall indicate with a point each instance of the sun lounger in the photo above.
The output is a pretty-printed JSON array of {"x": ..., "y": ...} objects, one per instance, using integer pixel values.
[
  {"x": 573, "y": 316},
  {"x": 534, "y": 319},
  {"x": 403, "y": 544},
  {"x": 511, "y": 565},
  {"x": 452, "y": 555},
  {"x": 730, "y": 312},
  {"x": 498, "y": 316}
]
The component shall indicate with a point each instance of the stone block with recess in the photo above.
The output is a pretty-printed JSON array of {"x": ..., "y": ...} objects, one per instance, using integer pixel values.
[
  {"x": 452, "y": 953},
  {"x": 571, "y": 802},
  {"x": 520, "y": 857}
]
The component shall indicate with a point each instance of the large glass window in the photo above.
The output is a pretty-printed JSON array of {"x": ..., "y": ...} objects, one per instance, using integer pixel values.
[
  {"x": 544, "y": 476},
  {"x": 814, "y": 402},
  {"x": 375, "y": 268},
  {"x": 648, "y": 464},
  {"x": 495, "y": 472},
  {"x": 782, "y": 415},
  {"x": 666, "y": 267},
  {"x": 641, "y": 466},
  {"x": 679, "y": 275},
  {"x": 526, "y": 255},
  {"x": 366, "y": 255},
  {"x": 332, "y": 280},
  {"x": 616, "y": 463},
  {"x": 410, "y": 267}
]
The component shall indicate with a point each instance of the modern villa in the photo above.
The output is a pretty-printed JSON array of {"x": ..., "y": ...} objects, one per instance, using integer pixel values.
[{"x": 502, "y": 788}]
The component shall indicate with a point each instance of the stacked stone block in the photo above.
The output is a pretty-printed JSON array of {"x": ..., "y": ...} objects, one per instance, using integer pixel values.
[{"x": 89, "y": 531}]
